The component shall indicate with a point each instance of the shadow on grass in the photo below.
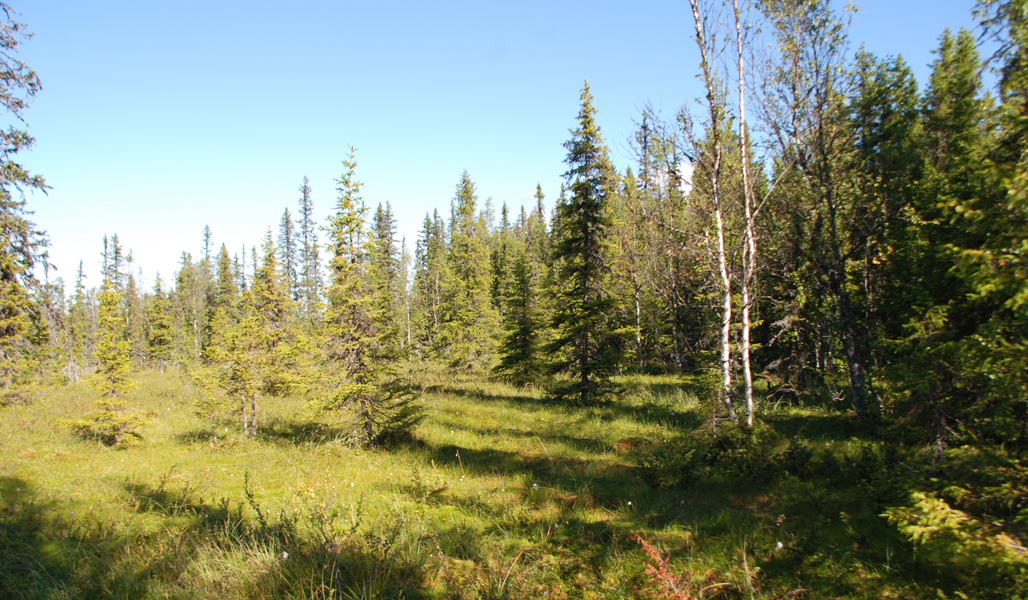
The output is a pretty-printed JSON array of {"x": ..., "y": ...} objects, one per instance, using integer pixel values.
[
  {"x": 301, "y": 433},
  {"x": 646, "y": 412},
  {"x": 222, "y": 552},
  {"x": 821, "y": 426},
  {"x": 47, "y": 555}
]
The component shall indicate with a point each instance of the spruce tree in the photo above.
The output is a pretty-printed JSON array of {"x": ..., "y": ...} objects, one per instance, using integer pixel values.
[
  {"x": 520, "y": 349},
  {"x": 134, "y": 318},
  {"x": 80, "y": 326},
  {"x": 384, "y": 276},
  {"x": 22, "y": 246},
  {"x": 430, "y": 275},
  {"x": 191, "y": 316},
  {"x": 287, "y": 254},
  {"x": 261, "y": 353},
  {"x": 470, "y": 321},
  {"x": 112, "y": 423},
  {"x": 356, "y": 333},
  {"x": 585, "y": 346},
  {"x": 500, "y": 258},
  {"x": 310, "y": 285},
  {"x": 161, "y": 336},
  {"x": 226, "y": 287}
]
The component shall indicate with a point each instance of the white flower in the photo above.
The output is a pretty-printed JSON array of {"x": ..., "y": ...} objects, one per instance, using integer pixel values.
[
  {"x": 779, "y": 546},
  {"x": 284, "y": 555}
]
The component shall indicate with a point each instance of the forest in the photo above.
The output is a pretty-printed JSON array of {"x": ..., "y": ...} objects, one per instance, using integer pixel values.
[{"x": 784, "y": 354}]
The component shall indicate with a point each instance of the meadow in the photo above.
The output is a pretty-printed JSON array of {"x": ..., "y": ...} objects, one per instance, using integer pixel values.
[{"x": 499, "y": 493}]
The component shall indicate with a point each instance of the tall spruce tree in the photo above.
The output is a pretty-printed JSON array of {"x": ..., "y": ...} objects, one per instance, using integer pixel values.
[
  {"x": 585, "y": 347},
  {"x": 356, "y": 332},
  {"x": 80, "y": 325},
  {"x": 500, "y": 258},
  {"x": 161, "y": 335},
  {"x": 310, "y": 285},
  {"x": 430, "y": 275},
  {"x": 287, "y": 254},
  {"x": 22, "y": 246},
  {"x": 470, "y": 321},
  {"x": 384, "y": 276}
]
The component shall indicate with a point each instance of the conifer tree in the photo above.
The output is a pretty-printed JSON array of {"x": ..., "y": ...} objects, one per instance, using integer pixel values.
[
  {"x": 261, "y": 353},
  {"x": 112, "y": 423},
  {"x": 310, "y": 282},
  {"x": 470, "y": 321},
  {"x": 384, "y": 276},
  {"x": 500, "y": 260},
  {"x": 161, "y": 336},
  {"x": 113, "y": 351},
  {"x": 287, "y": 254},
  {"x": 190, "y": 309},
  {"x": 430, "y": 276},
  {"x": 226, "y": 290},
  {"x": 356, "y": 338},
  {"x": 80, "y": 326},
  {"x": 22, "y": 246},
  {"x": 520, "y": 350},
  {"x": 134, "y": 317},
  {"x": 585, "y": 346}
]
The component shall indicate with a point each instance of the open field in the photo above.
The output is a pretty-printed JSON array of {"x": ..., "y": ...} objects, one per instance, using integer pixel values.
[{"x": 501, "y": 494}]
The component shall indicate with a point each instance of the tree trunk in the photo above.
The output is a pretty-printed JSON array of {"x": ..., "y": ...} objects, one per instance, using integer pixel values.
[
  {"x": 253, "y": 415},
  {"x": 369, "y": 425},
  {"x": 749, "y": 254},
  {"x": 726, "y": 317},
  {"x": 246, "y": 421},
  {"x": 716, "y": 108},
  {"x": 848, "y": 324}
]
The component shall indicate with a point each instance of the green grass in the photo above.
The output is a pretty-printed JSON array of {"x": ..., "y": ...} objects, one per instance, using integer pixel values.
[{"x": 501, "y": 494}]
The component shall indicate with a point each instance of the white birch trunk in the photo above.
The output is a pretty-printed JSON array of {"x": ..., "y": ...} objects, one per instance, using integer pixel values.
[
  {"x": 715, "y": 193},
  {"x": 749, "y": 254}
]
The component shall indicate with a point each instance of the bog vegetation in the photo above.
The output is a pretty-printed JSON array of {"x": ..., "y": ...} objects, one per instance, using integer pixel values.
[{"x": 782, "y": 355}]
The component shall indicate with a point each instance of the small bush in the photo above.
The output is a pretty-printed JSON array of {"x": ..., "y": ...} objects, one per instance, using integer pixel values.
[
  {"x": 755, "y": 454},
  {"x": 112, "y": 424}
]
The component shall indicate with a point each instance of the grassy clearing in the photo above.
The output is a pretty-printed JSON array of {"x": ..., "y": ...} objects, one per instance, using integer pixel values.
[{"x": 500, "y": 495}]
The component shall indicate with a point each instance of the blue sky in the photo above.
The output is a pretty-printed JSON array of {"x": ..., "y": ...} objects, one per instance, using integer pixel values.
[{"x": 156, "y": 119}]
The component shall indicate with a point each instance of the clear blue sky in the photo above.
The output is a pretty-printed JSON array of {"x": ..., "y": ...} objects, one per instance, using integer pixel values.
[{"x": 157, "y": 118}]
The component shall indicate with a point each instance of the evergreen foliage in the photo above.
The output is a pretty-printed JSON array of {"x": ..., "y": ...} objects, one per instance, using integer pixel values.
[
  {"x": 891, "y": 269},
  {"x": 160, "y": 337},
  {"x": 430, "y": 276},
  {"x": 520, "y": 361},
  {"x": 585, "y": 346},
  {"x": 260, "y": 353},
  {"x": 112, "y": 423},
  {"x": 384, "y": 277},
  {"x": 22, "y": 246},
  {"x": 310, "y": 284},
  {"x": 113, "y": 351},
  {"x": 359, "y": 334},
  {"x": 287, "y": 255},
  {"x": 469, "y": 318}
]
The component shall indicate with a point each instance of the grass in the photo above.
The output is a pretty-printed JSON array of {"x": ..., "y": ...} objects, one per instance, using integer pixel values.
[{"x": 501, "y": 494}]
